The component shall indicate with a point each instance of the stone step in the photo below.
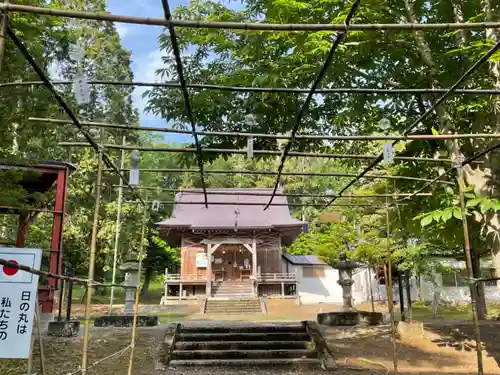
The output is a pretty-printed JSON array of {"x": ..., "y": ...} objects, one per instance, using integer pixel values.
[
  {"x": 243, "y": 354},
  {"x": 271, "y": 362},
  {"x": 237, "y": 336},
  {"x": 241, "y": 345},
  {"x": 248, "y": 328},
  {"x": 232, "y": 312},
  {"x": 232, "y": 303}
]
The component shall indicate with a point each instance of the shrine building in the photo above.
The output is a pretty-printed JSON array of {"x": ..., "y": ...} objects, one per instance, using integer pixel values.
[{"x": 233, "y": 248}]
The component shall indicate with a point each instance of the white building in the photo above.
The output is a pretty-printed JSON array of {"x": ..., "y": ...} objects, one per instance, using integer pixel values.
[
  {"x": 451, "y": 286},
  {"x": 316, "y": 280}
]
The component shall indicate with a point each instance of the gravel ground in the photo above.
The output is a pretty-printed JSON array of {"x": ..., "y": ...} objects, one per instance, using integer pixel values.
[{"x": 366, "y": 349}]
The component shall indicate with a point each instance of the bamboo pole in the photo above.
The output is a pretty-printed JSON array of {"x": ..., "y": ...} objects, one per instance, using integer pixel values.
[
  {"x": 40, "y": 339},
  {"x": 333, "y": 90},
  {"x": 389, "y": 293},
  {"x": 93, "y": 249},
  {"x": 431, "y": 110},
  {"x": 3, "y": 29},
  {"x": 371, "y": 288},
  {"x": 272, "y": 204},
  {"x": 468, "y": 258},
  {"x": 337, "y": 41},
  {"x": 273, "y": 173},
  {"x": 137, "y": 292},
  {"x": 393, "y": 137},
  {"x": 117, "y": 231},
  {"x": 256, "y": 152},
  {"x": 105, "y": 16},
  {"x": 258, "y": 194}
]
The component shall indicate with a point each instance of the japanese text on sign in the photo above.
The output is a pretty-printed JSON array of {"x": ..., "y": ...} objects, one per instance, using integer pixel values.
[{"x": 18, "y": 292}]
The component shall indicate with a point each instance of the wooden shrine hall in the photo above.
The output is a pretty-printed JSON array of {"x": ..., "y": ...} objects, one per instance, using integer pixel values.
[{"x": 230, "y": 250}]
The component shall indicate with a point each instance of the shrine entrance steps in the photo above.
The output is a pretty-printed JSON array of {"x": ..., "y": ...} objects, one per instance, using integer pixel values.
[
  {"x": 245, "y": 345},
  {"x": 233, "y": 306},
  {"x": 232, "y": 289}
]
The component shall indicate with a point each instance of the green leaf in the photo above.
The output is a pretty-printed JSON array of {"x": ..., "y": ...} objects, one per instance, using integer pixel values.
[
  {"x": 447, "y": 214},
  {"x": 437, "y": 215},
  {"x": 449, "y": 190},
  {"x": 434, "y": 131},
  {"x": 457, "y": 213},
  {"x": 473, "y": 202},
  {"x": 426, "y": 220}
]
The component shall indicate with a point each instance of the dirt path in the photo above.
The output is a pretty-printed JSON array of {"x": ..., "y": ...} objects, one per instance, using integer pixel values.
[{"x": 367, "y": 349}]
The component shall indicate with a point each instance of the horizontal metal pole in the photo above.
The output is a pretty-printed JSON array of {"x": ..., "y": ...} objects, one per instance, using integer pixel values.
[
  {"x": 273, "y": 173},
  {"x": 277, "y": 136},
  {"x": 105, "y": 16},
  {"x": 334, "y": 90},
  {"x": 256, "y": 152},
  {"x": 257, "y": 194},
  {"x": 264, "y": 204}
]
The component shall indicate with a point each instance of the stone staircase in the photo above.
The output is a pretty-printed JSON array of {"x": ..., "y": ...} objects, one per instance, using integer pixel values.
[
  {"x": 233, "y": 306},
  {"x": 244, "y": 345},
  {"x": 232, "y": 289}
]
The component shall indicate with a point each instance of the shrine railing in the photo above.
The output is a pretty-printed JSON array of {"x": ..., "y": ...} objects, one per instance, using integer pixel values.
[
  {"x": 188, "y": 277},
  {"x": 277, "y": 276}
]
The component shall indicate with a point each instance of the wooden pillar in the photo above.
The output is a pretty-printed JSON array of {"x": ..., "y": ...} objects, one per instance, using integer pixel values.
[
  {"x": 254, "y": 266},
  {"x": 209, "y": 271},
  {"x": 282, "y": 288},
  {"x": 180, "y": 291}
]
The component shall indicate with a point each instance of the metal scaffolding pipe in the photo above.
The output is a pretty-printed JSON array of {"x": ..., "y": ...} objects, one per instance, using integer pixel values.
[
  {"x": 256, "y": 152},
  {"x": 257, "y": 194},
  {"x": 410, "y": 137},
  {"x": 333, "y": 90},
  {"x": 272, "y": 173},
  {"x": 105, "y": 16}
]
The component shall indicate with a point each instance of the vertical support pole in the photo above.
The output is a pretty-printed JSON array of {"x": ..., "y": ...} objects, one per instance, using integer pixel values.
[
  {"x": 21, "y": 231},
  {"x": 117, "y": 230},
  {"x": 180, "y": 291},
  {"x": 55, "y": 257},
  {"x": 93, "y": 248},
  {"x": 40, "y": 339},
  {"x": 209, "y": 271},
  {"x": 137, "y": 291},
  {"x": 70, "y": 296},
  {"x": 282, "y": 288},
  {"x": 408, "y": 295},
  {"x": 389, "y": 291},
  {"x": 254, "y": 265},
  {"x": 371, "y": 288},
  {"x": 3, "y": 30},
  {"x": 401, "y": 297},
  {"x": 468, "y": 258}
]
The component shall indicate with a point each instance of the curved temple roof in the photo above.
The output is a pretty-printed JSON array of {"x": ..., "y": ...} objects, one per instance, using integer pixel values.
[{"x": 195, "y": 216}]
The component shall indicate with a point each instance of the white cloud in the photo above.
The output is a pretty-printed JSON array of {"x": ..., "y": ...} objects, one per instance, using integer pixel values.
[{"x": 145, "y": 68}]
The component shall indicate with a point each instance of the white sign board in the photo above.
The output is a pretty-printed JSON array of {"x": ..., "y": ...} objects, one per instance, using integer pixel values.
[
  {"x": 18, "y": 296},
  {"x": 201, "y": 260}
]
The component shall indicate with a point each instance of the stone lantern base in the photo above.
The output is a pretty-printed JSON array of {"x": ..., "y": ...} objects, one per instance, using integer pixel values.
[
  {"x": 126, "y": 320},
  {"x": 350, "y": 317}
]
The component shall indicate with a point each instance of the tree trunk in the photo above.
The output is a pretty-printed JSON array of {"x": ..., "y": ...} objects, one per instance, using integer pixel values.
[
  {"x": 148, "y": 275},
  {"x": 478, "y": 288}
]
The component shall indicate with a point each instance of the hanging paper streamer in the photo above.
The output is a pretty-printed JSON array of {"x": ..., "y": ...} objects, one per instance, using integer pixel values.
[
  {"x": 250, "y": 147},
  {"x": 134, "y": 168},
  {"x": 155, "y": 206},
  {"x": 388, "y": 157},
  {"x": 82, "y": 91},
  {"x": 76, "y": 53}
]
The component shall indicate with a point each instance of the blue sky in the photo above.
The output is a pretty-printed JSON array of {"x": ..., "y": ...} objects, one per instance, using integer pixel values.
[{"x": 146, "y": 56}]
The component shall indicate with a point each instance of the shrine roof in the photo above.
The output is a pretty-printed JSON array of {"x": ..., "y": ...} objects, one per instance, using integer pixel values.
[
  {"x": 303, "y": 260},
  {"x": 190, "y": 211}
]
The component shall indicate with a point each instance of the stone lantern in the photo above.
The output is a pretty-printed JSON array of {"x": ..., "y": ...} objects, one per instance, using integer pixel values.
[
  {"x": 132, "y": 282},
  {"x": 348, "y": 316},
  {"x": 131, "y": 270}
]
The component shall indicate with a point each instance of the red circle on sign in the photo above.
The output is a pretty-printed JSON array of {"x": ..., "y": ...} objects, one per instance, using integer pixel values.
[{"x": 9, "y": 271}]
